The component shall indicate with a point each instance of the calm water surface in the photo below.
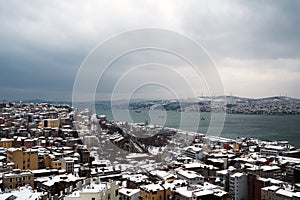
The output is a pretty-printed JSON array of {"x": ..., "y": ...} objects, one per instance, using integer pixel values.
[{"x": 236, "y": 125}]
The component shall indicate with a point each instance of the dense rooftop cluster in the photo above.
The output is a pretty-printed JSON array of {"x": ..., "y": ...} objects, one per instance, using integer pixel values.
[{"x": 52, "y": 151}]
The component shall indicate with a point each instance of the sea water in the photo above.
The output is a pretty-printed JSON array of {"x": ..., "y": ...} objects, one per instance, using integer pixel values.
[{"x": 266, "y": 127}]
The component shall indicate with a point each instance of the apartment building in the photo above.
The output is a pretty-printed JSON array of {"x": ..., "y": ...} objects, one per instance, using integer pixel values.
[
  {"x": 238, "y": 186},
  {"x": 24, "y": 159},
  {"x": 17, "y": 178}
]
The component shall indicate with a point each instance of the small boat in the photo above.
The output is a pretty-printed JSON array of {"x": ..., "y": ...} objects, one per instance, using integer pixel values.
[{"x": 138, "y": 111}]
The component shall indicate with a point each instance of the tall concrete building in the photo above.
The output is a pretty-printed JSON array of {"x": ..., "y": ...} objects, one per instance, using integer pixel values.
[{"x": 238, "y": 186}]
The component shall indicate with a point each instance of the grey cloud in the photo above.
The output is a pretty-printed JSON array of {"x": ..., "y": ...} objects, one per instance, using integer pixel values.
[
  {"x": 246, "y": 29},
  {"x": 44, "y": 43}
]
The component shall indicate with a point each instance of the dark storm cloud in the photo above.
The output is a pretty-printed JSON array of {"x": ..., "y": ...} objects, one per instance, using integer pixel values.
[
  {"x": 39, "y": 69},
  {"x": 34, "y": 57}
]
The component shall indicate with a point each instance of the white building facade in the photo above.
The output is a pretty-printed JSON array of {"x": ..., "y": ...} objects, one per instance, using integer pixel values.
[{"x": 238, "y": 186}]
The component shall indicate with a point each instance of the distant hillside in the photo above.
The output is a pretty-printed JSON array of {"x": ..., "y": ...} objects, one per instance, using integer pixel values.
[
  {"x": 43, "y": 101},
  {"x": 277, "y": 105}
]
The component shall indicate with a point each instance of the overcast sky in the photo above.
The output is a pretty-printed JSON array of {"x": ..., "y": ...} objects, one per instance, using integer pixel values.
[{"x": 255, "y": 45}]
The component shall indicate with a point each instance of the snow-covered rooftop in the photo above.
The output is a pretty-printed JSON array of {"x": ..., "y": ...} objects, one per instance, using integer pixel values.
[
  {"x": 152, "y": 187},
  {"x": 25, "y": 193}
]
